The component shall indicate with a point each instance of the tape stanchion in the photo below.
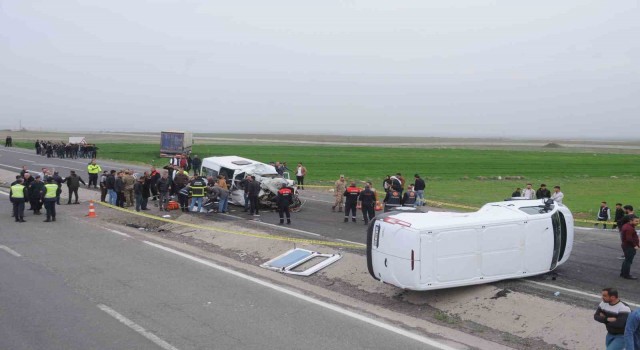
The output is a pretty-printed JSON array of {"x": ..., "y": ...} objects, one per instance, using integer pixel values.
[{"x": 247, "y": 234}]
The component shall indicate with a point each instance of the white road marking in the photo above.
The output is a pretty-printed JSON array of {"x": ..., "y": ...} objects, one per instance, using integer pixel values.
[
  {"x": 5, "y": 193},
  {"x": 28, "y": 161},
  {"x": 10, "y": 251},
  {"x": 575, "y": 291},
  {"x": 311, "y": 300},
  {"x": 136, "y": 327},
  {"x": 352, "y": 242},
  {"x": 118, "y": 232}
]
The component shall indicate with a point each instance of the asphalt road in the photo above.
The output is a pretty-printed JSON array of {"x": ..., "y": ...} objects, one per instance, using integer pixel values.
[
  {"x": 593, "y": 264},
  {"x": 67, "y": 285}
]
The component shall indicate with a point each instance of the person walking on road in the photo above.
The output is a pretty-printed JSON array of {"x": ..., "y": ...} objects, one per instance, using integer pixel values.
[
  {"x": 604, "y": 214},
  {"x": 284, "y": 199},
  {"x": 351, "y": 202},
  {"x": 18, "y": 195},
  {"x": 301, "y": 172},
  {"x": 367, "y": 199},
  {"x": 419, "y": 186},
  {"x": 630, "y": 244},
  {"x": 339, "y": 187},
  {"x": 73, "y": 183},
  {"x": 613, "y": 313},
  {"x": 50, "y": 193},
  {"x": 93, "y": 169}
]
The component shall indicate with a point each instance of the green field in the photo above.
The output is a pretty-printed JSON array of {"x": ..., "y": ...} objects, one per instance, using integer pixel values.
[{"x": 452, "y": 174}]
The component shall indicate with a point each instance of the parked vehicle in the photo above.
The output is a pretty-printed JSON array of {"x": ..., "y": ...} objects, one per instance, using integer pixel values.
[
  {"x": 235, "y": 168},
  {"x": 502, "y": 240}
]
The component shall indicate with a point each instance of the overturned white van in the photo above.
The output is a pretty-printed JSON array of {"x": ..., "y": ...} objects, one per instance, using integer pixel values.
[
  {"x": 235, "y": 168},
  {"x": 502, "y": 240}
]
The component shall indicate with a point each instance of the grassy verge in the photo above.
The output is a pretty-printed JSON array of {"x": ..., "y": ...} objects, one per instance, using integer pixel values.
[{"x": 462, "y": 176}]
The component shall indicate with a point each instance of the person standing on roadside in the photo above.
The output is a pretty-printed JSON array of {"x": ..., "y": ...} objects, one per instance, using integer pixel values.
[
  {"x": 196, "y": 162},
  {"x": 557, "y": 195},
  {"x": 339, "y": 187},
  {"x": 301, "y": 172},
  {"x": 137, "y": 192},
  {"x": 18, "y": 195},
  {"x": 73, "y": 184},
  {"x": 50, "y": 193},
  {"x": 8, "y": 141},
  {"x": 93, "y": 169},
  {"x": 163, "y": 186},
  {"x": 543, "y": 192},
  {"x": 409, "y": 197},
  {"x": 351, "y": 202},
  {"x": 119, "y": 188},
  {"x": 604, "y": 214},
  {"x": 36, "y": 191},
  {"x": 58, "y": 180},
  {"x": 110, "y": 183},
  {"x": 284, "y": 199},
  {"x": 154, "y": 176},
  {"x": 146, "y": 190},
  {"x": 613, "y": 313},
  {"x": 244, "y": 184},
  {"x": 392, "y": 200},
  {"x": 198, "y": 191},
  {"x": 129, "y": 181},
  {"x": 254, "y": 192},
  {"x": 528, "y": 192},
  {"x": 103, "y": 186},
  {"x": 630, "y": 244},
  {"x": 419, "y": 186},
  {"x": 619, "y": 214},
  {"x": 367, "y": 199}
]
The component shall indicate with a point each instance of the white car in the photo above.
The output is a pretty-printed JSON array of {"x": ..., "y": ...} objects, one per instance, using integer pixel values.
[
  {"x": 502, "y": 240},
  {"x": 235, "y": 169}
]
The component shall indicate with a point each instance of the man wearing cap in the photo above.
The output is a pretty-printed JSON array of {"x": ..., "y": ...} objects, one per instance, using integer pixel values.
[
  {"x": 50, "y": 193},
  {"x": 36, "y": 190},
  {"x": 73, "y": 183},
  {"x": 18, "y": 195},
  {"x": 339, "y": 187}
]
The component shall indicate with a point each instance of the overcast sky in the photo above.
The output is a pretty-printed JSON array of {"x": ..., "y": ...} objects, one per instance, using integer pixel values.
[{"x": 472, "y": 68}]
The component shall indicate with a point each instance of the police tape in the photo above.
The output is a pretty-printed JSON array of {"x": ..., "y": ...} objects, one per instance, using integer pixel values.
[
  {"x": 240, "y": 233},
  {"x": 596, "y": 222},
  {"x": 317, "y": 186}
]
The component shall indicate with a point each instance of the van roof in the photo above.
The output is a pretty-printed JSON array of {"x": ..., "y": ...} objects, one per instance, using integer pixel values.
[{"x": 240, "y": 163}]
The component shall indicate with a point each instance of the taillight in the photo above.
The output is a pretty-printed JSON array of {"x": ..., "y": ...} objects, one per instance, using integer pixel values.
[{"x": 394, "y": 221}]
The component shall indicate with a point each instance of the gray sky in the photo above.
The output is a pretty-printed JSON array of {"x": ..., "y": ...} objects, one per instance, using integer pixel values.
[{"x": 472, "y": 68}]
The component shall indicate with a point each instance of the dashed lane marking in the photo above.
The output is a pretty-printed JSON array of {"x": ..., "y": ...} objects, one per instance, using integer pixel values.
[
  {"x": 10, "y": 251},
  {"x": 137, "y": 328},
  {"x": 247, "y": 234},
  {"x": 335, "y": 308}
]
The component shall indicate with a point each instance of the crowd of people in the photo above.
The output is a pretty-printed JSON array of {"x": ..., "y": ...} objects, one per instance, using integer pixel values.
[
  {"x": 541, "y": 193},
  {"x": 59, "y": 149}
]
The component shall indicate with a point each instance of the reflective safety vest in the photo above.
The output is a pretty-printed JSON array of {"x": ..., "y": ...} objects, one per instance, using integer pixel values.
[
  {"x": 51, "y": 190},
  {"x": 284, "y": 196},
  {"x": 17, "y": 191},
  {"x": 352, "y": 194},
  {"x": 198, "y": 188},
  {"x": 93, "y": 169},
  {"x": 393, "y": 198}
]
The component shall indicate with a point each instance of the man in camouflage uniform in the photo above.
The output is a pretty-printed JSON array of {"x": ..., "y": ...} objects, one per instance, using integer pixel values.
[
  {"x": 129, "y": 181},
  {"x": 340, "y": 187}
]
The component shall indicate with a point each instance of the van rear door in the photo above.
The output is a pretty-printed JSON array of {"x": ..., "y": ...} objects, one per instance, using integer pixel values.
[{"x": 394, "y": 252}]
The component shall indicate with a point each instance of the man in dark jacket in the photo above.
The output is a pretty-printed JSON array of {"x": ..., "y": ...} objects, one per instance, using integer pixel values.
[
  {"x": 613, "y": 313},
  {"x": 409, "y": 197},
  {"x": 163, "y": 187},
  {"x": 36, "y": 191},
  {"x": 392, "y": 200},
  {"x": 119, "y": 189},
  {"x": 543, "y": 192},
  {"x": 244, "y": 185},
  {"x": 254, "y": 192},
  {"x": 146, "y": 190},
  {"x": 630, "y": 244},
  {"x": 419, "y": 186},
  {"x": 351, "y": 202},
  {"x": 283, "y": 200},
  {"x": 367, "y": 199},
  {"x": 137, "y": 192},
  {"x": 619, "y": 214},
  {"x": 58, "y": 180},
  {"x": 73, "y": 183},
  {"x": 196, "y": 163}
]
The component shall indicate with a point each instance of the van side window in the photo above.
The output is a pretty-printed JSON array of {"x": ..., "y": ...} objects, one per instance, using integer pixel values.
[
  {"x": 537, "y": 210},
  {"x": 209, "y": 172}
]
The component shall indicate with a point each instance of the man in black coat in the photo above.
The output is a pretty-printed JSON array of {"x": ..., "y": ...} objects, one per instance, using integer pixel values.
[{"x": 73, "y": 183}]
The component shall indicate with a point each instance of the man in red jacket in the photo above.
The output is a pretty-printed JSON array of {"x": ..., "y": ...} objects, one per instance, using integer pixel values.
[{"x": 630, "y": 244}]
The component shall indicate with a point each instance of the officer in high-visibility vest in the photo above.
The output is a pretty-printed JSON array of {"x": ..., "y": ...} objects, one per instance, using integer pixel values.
[
  {"x": 284, "y": 199},
  {"x": 18, "y": 195},
  {"x": 50, "y": 192},
  {"x": 198, "y": 191},
  {"x": 93, "y": 169}
]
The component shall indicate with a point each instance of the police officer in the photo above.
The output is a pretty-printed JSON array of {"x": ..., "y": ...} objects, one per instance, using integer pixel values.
[
  {"x": 198, "y": 191},
  {"x": 50, "y": 193},
  {"x": 284, "y": 199},
  {"x": 409, "y": 197},
  {"x": 367, "y": 199},
  {"x": 351, "y": 193},
  {"x": 93, "y": 169},
  {"x": 392, "y": 200},
  {"x": 18, "y": 195}
]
